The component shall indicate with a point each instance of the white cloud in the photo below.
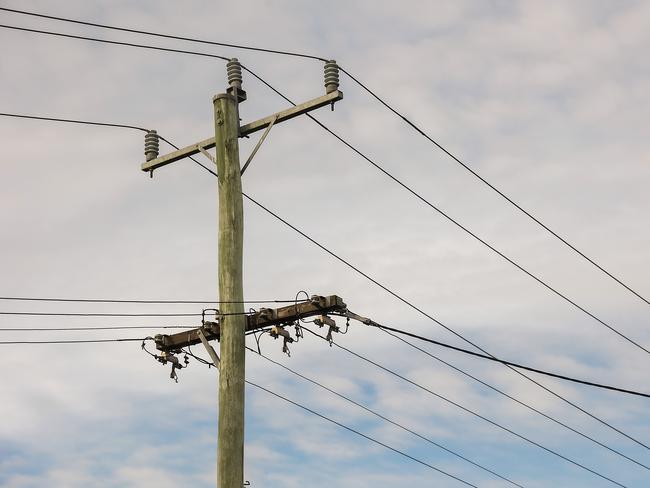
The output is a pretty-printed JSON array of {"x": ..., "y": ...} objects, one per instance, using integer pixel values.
[{"x": 546, "y": 100}]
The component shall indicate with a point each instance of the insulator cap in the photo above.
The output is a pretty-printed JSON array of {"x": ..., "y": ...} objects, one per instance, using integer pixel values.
[
  {"x": 234, "y": 73},
  {"x": 151, "y": 145},
  {"x": 331, "y": 76}
]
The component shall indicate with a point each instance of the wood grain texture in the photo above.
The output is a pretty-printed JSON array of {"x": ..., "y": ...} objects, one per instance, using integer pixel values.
[{"x": 230, "y": 452}]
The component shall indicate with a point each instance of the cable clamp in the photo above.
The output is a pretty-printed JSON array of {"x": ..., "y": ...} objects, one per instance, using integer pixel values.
[{"x": 354, "y": 316}]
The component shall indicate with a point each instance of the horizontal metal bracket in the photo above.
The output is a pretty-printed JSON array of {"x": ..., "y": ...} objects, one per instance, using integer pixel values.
[{"x": 245, "y": 130}]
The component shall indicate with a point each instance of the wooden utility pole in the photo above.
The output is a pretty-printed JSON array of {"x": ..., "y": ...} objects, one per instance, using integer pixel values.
[
  {"x": 230, "y": 451},
  {"x": 232, "y": 324}
]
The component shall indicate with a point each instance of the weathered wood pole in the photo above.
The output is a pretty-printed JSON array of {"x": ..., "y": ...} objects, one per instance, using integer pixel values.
[{"x": 230, "y": 450}]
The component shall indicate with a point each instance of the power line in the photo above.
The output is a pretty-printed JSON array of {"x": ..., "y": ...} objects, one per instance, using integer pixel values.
[
  {"x": 351, "y": 266},
  {"x": 433, "y": 319},
  {"x": 461, "y": 407},
  {"x": 357, "y": 270},
  {"x": 71, "y": 341},
  {"x": 72, "y": 121},
  {"x": 110, "y": 314},
  {"x": 378, "y": 167},
  {"x": 384, "y": 418},
  {"x": 166, "y": 36},
  {"x": 520, "y": 402},
  {"x": 209, "y": 363},
  {"x": 479, "y": 239},
  {"x": 117, "y": 43},
  {"x": 367, "y": 437},
  {"x": 382, "y": 101},
  {"x": 199, "y": 163},
  {"x": 96, "y": 314},
  {"x": 492, "y": 187},
  {"x": 372, "y": 323},
  {"x": 112, "y": 327},
  {"x": 116, "y": 300}
]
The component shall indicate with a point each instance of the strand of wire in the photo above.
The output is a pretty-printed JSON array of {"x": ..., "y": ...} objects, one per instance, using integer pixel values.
[
  {"x": 542, "y": 386},
  {"x": 493, "y": 187},
  {"x": 482, "y": 241},
  {"x": 110, "y": 314},
  {"x": 71, "y": 341},
  {"x": 88, "y": 341},
  {"x": 397, "y": 296},
  {"x": 520, "y": 402},
  {"x": 419, "y": 310},
  {"x": 386, "y": 419},
  {"x": 465, "y": 409},
  {"x": 166, "y": 36},
  {"x": 115, "y": 300},
  {"x": 403, "y": 300},
  {"x": 350, "y": 429},
  {"x": 110, "y": 327},
  {"x": 386, "y": 328},
  {"x": 116, "y": 43},
  {"x": 446, "y": 327},
  {"x": 485, "y": 243},
  {"x": 365, "y": 436},
  {"x": 381, "y": 169},
  {"x": 186, "y": 52},
  {"x": 382, "y": 101},
  {"x": 72, "y": 121},
  {"x": 381, "y": 286}
]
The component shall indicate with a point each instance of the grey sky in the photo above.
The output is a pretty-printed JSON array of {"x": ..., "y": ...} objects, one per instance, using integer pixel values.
[{"x": 547, "y": 100}]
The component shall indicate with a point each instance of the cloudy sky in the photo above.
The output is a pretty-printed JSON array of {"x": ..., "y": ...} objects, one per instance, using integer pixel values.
[{"x": 547, "y": 100}]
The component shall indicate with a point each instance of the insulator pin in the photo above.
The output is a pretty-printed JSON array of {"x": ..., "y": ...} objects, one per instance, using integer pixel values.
[
  {"x": 151, "y": 145},
  {"x": 331, "y": 76},
  {"x": 233, "y": 67},
  {"x": 234, "y": 72}
]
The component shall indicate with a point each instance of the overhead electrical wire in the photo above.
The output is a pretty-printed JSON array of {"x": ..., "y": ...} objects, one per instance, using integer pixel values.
[
  {"x": 350, "y": 429},
  {"x": 116, "y": 300},
  {"x": 494, "y": 188},
  {"x": 378, "y": 167},
  {"x": 403, "y": 300},
  {"x": 71, "y": 121},
  {"x": 166, "y": 36},
  {"x": 197, "y": 162},
  {"x": 520, "y": 402},
  {"x": 372, "y": 323},
  {"x": 110, "y": 314},
  {"x": 373, "y": 94},
  {"x": 117, "y": 43},
  {"x": 109, "y": 327},
  {"x": 481, "y": 240},
  {"x": 101, "y": 314},
  {"x": 406, "y": 302},
  {"x": 386, "y": 419},
  {"x": 365, "y": 436},
  {"x": 446, "y": 327},
  {"x": 72, "y": 341},
  {"x": 463, "y": 408}
]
